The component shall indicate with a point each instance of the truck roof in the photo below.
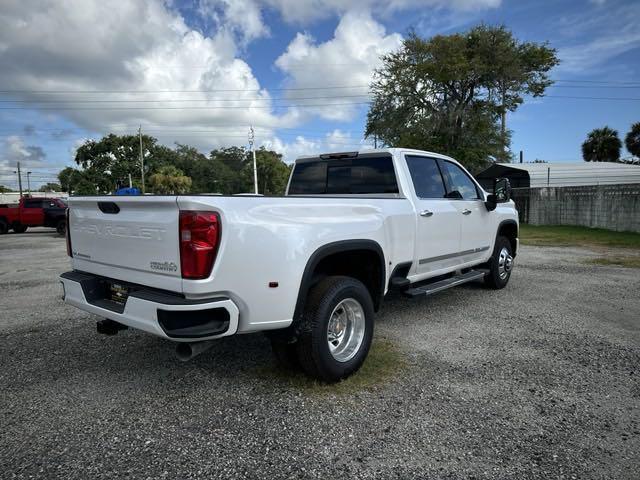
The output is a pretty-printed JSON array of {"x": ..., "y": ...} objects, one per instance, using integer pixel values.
[{"x": 392, "y": 151}]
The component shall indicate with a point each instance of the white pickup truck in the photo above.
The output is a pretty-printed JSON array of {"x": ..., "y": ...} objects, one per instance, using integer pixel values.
[{"x": 309, "y": 268}]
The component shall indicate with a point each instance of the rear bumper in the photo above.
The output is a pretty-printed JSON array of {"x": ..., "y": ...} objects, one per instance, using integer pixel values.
[{"x": 161, "y": 313}]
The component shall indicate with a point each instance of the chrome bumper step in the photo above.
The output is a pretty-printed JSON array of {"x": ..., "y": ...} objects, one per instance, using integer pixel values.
[{"x": 435, "y": 287}]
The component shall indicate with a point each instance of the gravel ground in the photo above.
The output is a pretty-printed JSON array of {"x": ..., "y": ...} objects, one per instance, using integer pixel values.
[{"x": 539, "y": 380}]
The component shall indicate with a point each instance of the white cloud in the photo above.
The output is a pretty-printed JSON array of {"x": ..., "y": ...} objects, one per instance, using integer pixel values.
[
  {"x": 334, "y": 141},
  {"x": 131, "y": 51},
  {"x": 305, "y": 11},
  {"x": 349, "y": 58},
  {"x": 14, "y": 150},
  {"x": 600, "y": 38},
  {"x": 139, "y": 46},
  {"x": 242, "y": 17}
]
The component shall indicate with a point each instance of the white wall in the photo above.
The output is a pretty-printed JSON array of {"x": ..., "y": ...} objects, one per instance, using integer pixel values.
[{"x": 14, "y": 197}]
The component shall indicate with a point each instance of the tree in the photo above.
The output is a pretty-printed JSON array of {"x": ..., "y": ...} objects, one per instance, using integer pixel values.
[
  {"x": 4, "y": 189},
  {"x": 109, "y": 161},
  {"x": 632, "y": 140},
  {"x": 50, "y": 187},
  {"x": 602, "y": 145},
  {"x": 229, "y": 164},
  {"x": 169, "y": 180},
  {"x": 450, "y": 93},
  {"x": 273, "y": 173},
  {"x": 76, "y": 181}
]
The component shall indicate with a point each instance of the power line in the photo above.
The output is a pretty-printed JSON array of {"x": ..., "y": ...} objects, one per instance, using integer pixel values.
[
  {"x": 187, "y": 100},
  {"x": 302, "y": 105},
  {"x": 595, "y": 86},
  {"x": 590, "y": 98},
  {"x": 283, "y": 89},
  {"x": 614, "y": 82},
  {"x": 217, "y": 107}
]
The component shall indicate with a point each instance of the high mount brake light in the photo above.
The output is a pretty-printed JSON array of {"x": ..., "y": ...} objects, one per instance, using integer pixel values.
[
  {"x": 333, "y": 156},
  {"x": 199, "y": 240}
]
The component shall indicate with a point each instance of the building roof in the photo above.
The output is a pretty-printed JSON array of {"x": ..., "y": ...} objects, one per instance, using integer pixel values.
[{"x": 564, "y": 174}]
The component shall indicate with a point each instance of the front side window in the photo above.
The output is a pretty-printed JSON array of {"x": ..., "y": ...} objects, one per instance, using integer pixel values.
[
  {"x": 459, "y": 182},
  {"x": 426, "y": 177}
]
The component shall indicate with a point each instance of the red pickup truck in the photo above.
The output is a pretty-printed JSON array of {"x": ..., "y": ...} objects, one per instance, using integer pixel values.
[{"x": 33, "y": 212}]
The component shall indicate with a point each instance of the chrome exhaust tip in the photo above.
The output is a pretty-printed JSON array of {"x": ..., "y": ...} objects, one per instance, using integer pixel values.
[{"x": 185, "y": 351}]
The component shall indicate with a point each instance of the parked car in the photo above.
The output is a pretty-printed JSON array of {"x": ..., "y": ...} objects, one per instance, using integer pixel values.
[
  {"x": 33, "y": 212},
  {"x": 310, "y": 269}
]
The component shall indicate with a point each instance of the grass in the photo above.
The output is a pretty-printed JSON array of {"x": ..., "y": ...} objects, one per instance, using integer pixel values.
[
  {"x": 384, "y": 362},
  {"x": 629, "y": 262},
  {"x": 565, "y": 235}
]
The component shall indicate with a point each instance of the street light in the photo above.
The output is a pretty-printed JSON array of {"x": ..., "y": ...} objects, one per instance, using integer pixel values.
[{"x": 28, "y": 183}]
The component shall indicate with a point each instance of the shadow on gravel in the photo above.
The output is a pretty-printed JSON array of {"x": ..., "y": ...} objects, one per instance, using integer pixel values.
[
  {"x": 81, "y": 355},
  {"x": 384, "y": 363}
]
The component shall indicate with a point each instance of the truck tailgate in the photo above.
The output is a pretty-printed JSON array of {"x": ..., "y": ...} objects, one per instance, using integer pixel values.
[{"x": 134, "y": 239}]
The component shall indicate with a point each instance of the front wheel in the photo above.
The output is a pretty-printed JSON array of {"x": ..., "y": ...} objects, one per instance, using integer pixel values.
[
  {"x": 336, "y": 329},
  {"x": 500, "y": 265}
]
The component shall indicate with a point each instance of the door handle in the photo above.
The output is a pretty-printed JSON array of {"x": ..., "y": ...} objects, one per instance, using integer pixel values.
[
  {"x": 466, "y": 211},
  {"x": 426, "y": 213}
]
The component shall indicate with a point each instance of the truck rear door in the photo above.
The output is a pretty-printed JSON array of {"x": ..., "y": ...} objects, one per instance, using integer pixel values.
[
  {"x": 438, "y": 220},
  {"x": 133, "y": 239}
]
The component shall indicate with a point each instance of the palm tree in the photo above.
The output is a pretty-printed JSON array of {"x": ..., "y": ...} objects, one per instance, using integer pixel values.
[
  {"x": 602, "y": 145},
  {"x": 632, "y": 140}
]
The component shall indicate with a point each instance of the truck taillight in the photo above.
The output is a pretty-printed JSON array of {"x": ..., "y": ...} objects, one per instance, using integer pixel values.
[
  {"x": 67, "y": 233},
  {"x": 199, "y": 239}
]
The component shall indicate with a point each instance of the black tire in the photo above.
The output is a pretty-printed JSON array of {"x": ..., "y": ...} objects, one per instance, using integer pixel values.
[
  {"x": 61, "y": 227},
  {"x": 285, "y": 354},
  {"x": 4, "y": 228},
  {"x": 19, "y": 228},
  {"x": 498, "y": 276},
  {"x": 313, "y": 350}
]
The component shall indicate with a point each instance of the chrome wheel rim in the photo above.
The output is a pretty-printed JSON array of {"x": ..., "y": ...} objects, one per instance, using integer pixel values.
[
  {"x": 345, "y": 331},
  {"x": 505, "y": 263}
]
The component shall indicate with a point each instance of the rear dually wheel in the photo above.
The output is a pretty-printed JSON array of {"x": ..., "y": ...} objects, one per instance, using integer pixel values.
[{"x": 336, "y": 329}]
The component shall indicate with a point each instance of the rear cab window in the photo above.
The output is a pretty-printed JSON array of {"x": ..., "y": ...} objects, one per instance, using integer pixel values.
[{"x": 362, "y": 175}]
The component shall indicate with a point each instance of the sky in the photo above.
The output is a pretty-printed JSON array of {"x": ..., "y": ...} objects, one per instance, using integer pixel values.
[{"x": 202, "y": 72}]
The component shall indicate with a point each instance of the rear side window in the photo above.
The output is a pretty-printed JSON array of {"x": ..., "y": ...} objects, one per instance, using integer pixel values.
[
  {"x": 373, "y": 175},
  {"x": 309, "y": 178},
  {"x": 426, "y": 177},
  {"x": 363, "y": 175}
]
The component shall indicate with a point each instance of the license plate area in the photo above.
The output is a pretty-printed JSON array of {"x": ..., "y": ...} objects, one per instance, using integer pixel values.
[
  {"x": 117, "y": 292},
  {"x": 107, "y": 293}
]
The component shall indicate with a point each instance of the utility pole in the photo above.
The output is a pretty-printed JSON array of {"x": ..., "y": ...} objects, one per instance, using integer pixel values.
[
  {"x": 255, "y": 166},
  {"x": 375, "y": 140},
  {"x": 19, "y": 179},
  {"x": 521, "y": 156},
  {"x": 28, "y": 183},
  {"x": 130, "y": 184},
  {"x": 141, "y": 157}
]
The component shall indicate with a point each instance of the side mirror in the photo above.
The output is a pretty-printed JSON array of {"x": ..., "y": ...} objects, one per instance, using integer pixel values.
[
  {"x": 502, "y": 190},
  {"x": 501, "y": 193}
]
